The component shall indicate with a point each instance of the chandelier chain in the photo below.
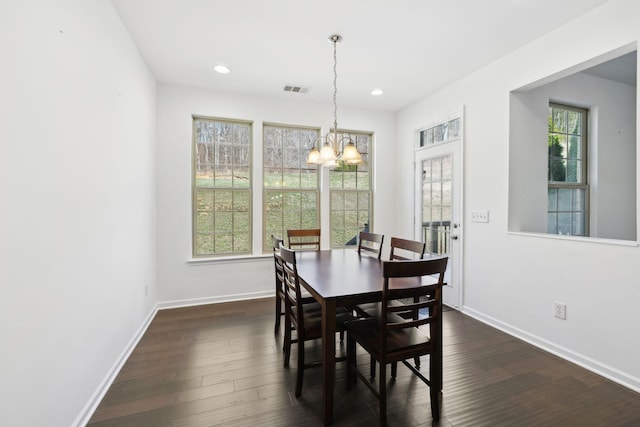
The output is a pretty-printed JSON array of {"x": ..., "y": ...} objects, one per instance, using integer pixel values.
[{"x": 335, "y": 87}]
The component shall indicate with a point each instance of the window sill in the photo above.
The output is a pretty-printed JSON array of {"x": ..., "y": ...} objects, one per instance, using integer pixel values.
[
  {"x": 229, "y": 259},
  {"x": 616, "y": 242}
]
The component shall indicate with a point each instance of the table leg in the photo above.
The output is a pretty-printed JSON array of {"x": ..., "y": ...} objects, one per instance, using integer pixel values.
[{"x": 328, "y": 358}]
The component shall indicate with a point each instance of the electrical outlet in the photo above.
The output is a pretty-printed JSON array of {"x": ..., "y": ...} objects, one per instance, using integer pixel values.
[
  {"x": 480, "y": 216},
  {"x": 560, "y": 310}
]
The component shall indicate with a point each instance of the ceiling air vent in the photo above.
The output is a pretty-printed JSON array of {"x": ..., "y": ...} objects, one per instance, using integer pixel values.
[{"x": 295, "y": 89}]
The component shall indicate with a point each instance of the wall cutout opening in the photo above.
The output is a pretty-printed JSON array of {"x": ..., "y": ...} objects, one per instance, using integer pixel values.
[{"x": 572, "y": 151}]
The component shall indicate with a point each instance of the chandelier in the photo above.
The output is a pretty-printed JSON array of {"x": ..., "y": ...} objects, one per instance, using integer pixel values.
[{"x": 330, "y": 155}]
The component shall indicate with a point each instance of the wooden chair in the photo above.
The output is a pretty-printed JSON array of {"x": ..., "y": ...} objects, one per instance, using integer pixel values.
[
  {"x": 407, "y": 248},
  {"x": 370, "y": 243},
  {"x": 308, "y": 239},
  {"x": 391, "y": 338},
  {"x": 306, "y": 320},
  {"x": 277, "y": 242},
  {"x": 401, "y": 249}
]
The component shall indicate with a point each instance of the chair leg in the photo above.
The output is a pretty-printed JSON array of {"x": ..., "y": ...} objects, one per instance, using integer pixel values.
[
  {"x": 416, "y": 360},
  {"x": 300, "y": 373},
  {"x": 382, "y": 390},
  {"x": 351, "y": 361},
  {"x": 278, "y": 313},
  {"x": 341, "y": 336},
  {"x": 372, "y": 367},
  {"x": 286, "y": 346},
  {"x": 394, "y": 369},
  {"x": 435, "y": 403},
  {"x": 435, "y": 371}
]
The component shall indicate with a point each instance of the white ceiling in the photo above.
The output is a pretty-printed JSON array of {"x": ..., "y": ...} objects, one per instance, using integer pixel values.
[{"x": 408, "y": 48}]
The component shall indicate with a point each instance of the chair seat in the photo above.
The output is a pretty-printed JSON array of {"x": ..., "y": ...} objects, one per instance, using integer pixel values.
[
  {"x": 313, "y": 319},
  {"x": 404, "y": 341}
]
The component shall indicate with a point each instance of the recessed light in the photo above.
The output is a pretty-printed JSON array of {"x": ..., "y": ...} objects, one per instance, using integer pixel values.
[
  {"x": 222, "y": 69},
  {"x": 377, "y": 92}
]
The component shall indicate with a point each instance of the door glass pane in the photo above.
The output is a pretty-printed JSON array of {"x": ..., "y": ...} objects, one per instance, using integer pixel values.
[{"x": 437, "y": 203}]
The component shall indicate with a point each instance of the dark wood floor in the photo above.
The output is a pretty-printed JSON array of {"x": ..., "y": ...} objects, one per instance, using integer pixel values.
[{"x": 222, "y": 365}]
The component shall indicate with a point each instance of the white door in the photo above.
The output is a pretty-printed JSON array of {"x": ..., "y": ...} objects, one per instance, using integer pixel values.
[{"x": 438, "y": 210}]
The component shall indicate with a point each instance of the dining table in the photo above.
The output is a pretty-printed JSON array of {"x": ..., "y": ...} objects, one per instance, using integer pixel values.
[{"x": 344, "y": 278}]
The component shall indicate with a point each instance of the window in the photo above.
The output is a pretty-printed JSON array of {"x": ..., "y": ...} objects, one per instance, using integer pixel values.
[
  {"x": 567, "y": 171},
  {"x": 350, "y": 194},
  {"x": 441, "y": 132},
  {"x": 221, "y": 187},
  {"x": 291, "y": 196}
]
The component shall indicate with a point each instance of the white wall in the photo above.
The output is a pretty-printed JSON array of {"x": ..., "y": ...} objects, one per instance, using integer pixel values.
[
  {"x": 77, "y": 205},
  {"x": 612, "y": 154},
  {"x": 511, "y": 280},
  {"x": 181, "y": 282}
]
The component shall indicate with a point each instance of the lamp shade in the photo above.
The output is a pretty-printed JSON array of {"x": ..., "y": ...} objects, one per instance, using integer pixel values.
[
  {"x": 327, "y": 153},
  {"x": 313, "y": 158},
  {"x": 350, "y": 154}
]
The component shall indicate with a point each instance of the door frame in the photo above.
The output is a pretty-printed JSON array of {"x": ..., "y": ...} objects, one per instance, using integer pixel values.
[{"x": 455, "y": 147}]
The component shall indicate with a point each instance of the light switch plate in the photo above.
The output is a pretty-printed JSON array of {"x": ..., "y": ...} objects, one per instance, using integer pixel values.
[{"x": 480, "y": 216}]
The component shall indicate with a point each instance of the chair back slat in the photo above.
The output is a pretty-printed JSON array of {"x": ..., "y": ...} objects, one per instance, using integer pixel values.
[
  {"x": 308, "y": 239},
  {"x": 407, "y": 248},
  {"x": 370, "y": 243}
]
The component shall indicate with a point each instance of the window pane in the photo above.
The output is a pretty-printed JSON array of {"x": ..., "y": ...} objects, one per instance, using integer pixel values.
[
  {"x": 564, "y": 200},
  {"x": 574, "y": 147},
  {"x": 552, "y": 223},
  {"x": 559, "y": 120},
  {"x": 309, "y": 219},
  {"x": 446, "y": 193},
  {"x": 552, "y": 204},
  {"x": 309, "y": 200},
  {"x": 309, "y": 178},
  {"x": 350, "y": 201},
  {"x": 337, "y": 219},
  {"x": 564, "y": 223},
  {"x": 579, "y": 200},
  {"x": 224, "y": 221},
  {"x": 204, "y": 200},
  {"x": 426, "y": 214},
  {"x": 204, "y": 222},
  {"x": 203, "y": 244},
  {"x": 574, "y": 126},
  {"x": 337, "y": 201},
  {"x": 292, "y": 201},
  {"x": 241, "y": 222},
  {"x": 223, "y": 243},
  {"x": 351, "y": 218},
  {"x": 578, "y": 224},
  {"x": 363, "y": 200}
]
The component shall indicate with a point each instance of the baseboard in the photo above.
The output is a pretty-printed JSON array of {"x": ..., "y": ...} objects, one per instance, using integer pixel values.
[
  {"x": 592, "y": 365},
  {"x": 98, "y": 395},
  {"x": 214, "y": 300}
]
